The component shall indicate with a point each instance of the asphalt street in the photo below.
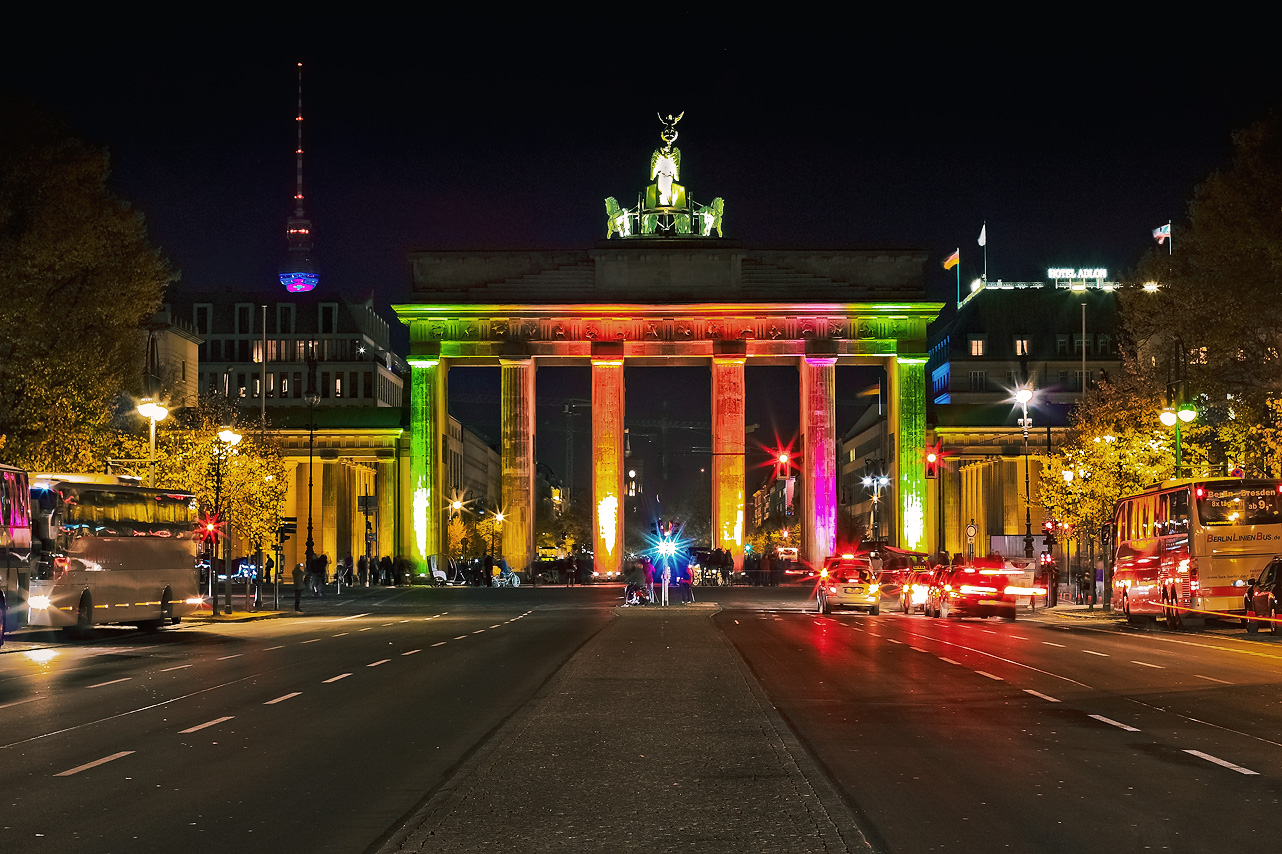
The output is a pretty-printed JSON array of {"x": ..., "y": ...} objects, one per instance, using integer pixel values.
[
  {"x": 1037, "y": 735},
  {"x": 520, "y": 720}
]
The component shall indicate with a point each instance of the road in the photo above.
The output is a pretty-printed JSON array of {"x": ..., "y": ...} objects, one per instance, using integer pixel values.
[
  {"x": 315, "y": 733},
  {"x": 982, "y": 735},
  {"x": 331, "y": 731}
]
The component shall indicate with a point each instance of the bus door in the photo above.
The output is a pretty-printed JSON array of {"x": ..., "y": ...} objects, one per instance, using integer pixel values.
[{"x": 15, "y": 546}]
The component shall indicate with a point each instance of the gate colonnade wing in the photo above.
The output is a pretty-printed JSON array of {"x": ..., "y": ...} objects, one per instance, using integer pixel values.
[{"x": 655, "y": 302}]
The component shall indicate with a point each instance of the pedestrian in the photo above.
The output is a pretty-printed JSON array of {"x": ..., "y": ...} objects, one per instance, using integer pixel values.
[
  {"x": 667, "y": 579},
  {"x": 384, "y": 569},
  {"x": 487, "y": 567},
  {"x": 299, "y": 580},
  {"x": 647, "y": 567},
  {"x": 270, "y": 566},
  {"x": 362, "y": 570}
]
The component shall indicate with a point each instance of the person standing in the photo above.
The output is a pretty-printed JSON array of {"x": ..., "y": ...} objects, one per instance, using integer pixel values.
[
  {"x": 299, "y": 580},
  {"x": 647, "y": 566},
  {"x": 667, "y": 579}
]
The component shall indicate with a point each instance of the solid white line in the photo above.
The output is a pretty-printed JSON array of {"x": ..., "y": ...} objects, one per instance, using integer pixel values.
[
  {"x": 167, "y": 669},
  {"x": 225, "y": 657},
  {"x": 950, "y": 661},
  {"x": 1093, "y": 652},
  {"x": 1112, "y": 722},
  {"x": 411, "y": 652},
  {"x": 104, "y": 760},
  {"x": 1048, "y": 643},
  {"x": 112, "y": 682},
  {"x": 377, "y": 663},
  {"x": 336, "y": 678},
  {"x": 352, "y": 617},
  {"x": 439, "y": 643},
  {"x": 19, "y": 702},
  {"x": 989, "y": 675},
  {"x": 281, "y": 699},
  {"x": 1209, "y": 758},
  {"x": 1146, "y": 664},
  {"x": 1045, "y": 697},
  {"x": 199, "y": 727},
  {"x": 1212, "y": 679}
]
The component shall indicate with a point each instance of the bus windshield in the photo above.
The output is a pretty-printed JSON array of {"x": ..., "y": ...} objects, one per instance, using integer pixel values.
[
  {"x": 129, "y": 513},
  {"x": 1239, "y": 504}
]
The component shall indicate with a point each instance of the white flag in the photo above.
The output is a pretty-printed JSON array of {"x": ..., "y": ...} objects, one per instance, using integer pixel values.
[{"x": 983, "y": 235}]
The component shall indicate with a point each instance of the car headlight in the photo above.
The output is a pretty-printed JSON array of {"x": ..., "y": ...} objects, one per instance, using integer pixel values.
[{"x": 39, "y": 603}]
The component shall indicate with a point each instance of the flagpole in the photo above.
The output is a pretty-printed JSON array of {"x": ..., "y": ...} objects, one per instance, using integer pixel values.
[
  {"x": 985, "y": 231},
  {"x": 1170, "y": 238}
]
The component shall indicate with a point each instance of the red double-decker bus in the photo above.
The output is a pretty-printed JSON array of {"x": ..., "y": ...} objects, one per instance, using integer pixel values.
[{"x": 1187, "y": 548}]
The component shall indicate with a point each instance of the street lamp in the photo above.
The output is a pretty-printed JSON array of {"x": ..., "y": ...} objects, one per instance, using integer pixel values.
[
  {"x": 498, "y": 520},
  {"x": 1173, "y": 417},
  {"x": 876, "y": 484},
  {"x": 1022, "y": 397},
  {"x": 153, "y": 412},
  {"x": 228, "y": 438},
  {"x": 313, "y": 398}
]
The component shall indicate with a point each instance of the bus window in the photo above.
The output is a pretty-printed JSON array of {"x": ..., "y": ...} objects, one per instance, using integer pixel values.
[
  {"x": 1163, "y": 509},
  {"x": 1179, "y": 518},
  {"x": 1245, "y": 504}
]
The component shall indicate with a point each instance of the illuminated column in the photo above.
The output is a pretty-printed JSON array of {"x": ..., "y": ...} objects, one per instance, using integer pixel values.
[
  {"x": 518, "y": 461},
  {"x": 819, "y": 457},
  {"x": 908, "y": 420},
  {"x": 607, "y": 461},
  {"x": 727, "y": 454},
  {"x": 429, "y": 424}
]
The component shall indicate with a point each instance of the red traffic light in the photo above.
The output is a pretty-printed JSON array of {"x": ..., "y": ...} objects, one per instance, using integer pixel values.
[{"x": 1048, "y": 526}]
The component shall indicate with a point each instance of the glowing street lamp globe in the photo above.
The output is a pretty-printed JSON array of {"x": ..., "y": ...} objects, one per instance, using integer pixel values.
[
  {"x": 1186, "y": 412},
  {"x": 229, "y": 436},
  {"x": 1167, "y": 417}
]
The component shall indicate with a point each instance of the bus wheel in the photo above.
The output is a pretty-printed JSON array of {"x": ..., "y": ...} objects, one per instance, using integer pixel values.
[
  {"x": 167, "y": 610},
  {"x": 4, "y": 619}
]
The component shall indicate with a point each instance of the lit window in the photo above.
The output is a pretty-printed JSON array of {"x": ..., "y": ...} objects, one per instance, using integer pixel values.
[
  {"x": 977, "y": 346},
  {"x": 1021, "y": 347}
]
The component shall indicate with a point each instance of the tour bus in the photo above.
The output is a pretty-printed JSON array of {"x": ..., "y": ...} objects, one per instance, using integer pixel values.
[
  {"x": 15, "y": 547},
  {"x": 111, "y": 552},
  {"x": 1188, "y": 547}
]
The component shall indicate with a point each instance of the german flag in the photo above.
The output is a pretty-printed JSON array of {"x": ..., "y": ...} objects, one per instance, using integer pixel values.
[{"x": 952, "y": 260}]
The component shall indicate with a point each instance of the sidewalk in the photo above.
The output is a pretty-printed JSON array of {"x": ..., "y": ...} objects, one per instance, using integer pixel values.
[
  {"x": 623, "y": 751},
  {"x": 1082, "y": 612}
]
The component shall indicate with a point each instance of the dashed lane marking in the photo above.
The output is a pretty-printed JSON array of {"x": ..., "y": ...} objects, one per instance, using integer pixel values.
[
  {"x": 282, "y": 698},
  {"x": 352, "y": 617},
  {"x": 1222, "y": 763},
  {"x": 1093, "y": 652},
  {"x": 377, "y": 663},
  {"x": 989, "y": 675},
  {"x": 112, "y": 682},
  {"x": 313, "y": 640},
  {"x": 336, "y": 678},
  {"x": 1048, "y": 698},
  {"x": 892, "y": 640},
  {"x": 949, "y": 660},
  {"x": 1146, "y": 664},
  {"x": 1212, "y": 679},
  {"x": 1049, "y": 643},
  {"x": 366, "y": 629},
  {"x": 411, "y": 652},
  {"x": 103, "y": 761},
  {"x": 460, "y": 637},
  {"x": 176, "y": 667},
  {"x": 439, "y": 643},
  {"x": 478, "y": 631},
  {"x": 917, "y": 648},
  {"x": 270, "y": 648},
  {"x": 1112, "y": 722},
  {"x": 340, "y": 634},
  {"x": 1017, "y": 637},
  {"x": 18, "y": 702},
  {"x": 225, "y": 657},
  {"x": 205, "y": 725},
  {"x": 495, "y": 627}
]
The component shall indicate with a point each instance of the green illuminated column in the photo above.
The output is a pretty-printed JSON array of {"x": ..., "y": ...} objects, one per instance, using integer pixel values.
[
  {"x": 607, "y": 462},
  {"x": 908, "y": 418},
  {"x": 727, "y": 455},
  {"x": 517, "y": 414},
  {"x": 429, "y": 424}
]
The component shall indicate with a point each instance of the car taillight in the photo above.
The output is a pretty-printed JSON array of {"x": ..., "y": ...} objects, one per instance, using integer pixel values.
[
  {"x": 60, "y": 564},
  {"x": 971, "y": 589},
  {"x": 874, "y": 587}
]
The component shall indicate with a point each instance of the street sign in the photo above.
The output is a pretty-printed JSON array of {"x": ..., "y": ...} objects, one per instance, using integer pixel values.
[{"x": 971, "y": 530}]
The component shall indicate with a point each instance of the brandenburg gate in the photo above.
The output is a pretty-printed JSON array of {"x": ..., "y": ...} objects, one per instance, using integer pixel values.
[{"x": 661, "y": 289}]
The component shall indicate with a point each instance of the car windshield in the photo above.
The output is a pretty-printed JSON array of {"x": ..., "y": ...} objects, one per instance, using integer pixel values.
[{"x": 847, "y": 569}]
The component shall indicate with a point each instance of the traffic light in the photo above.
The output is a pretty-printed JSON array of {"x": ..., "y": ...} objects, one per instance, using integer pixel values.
[
  {"x": 932, "y": 457},
  {"x": 1049, "y": 527}
]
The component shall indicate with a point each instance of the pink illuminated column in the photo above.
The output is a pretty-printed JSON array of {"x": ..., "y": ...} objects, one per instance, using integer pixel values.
[
  {"x": 607, "y": 464},
  {"x": 819, "y": 458},
  {"x": 517, "y": 457},
  {"x": 727, "y": 454}
]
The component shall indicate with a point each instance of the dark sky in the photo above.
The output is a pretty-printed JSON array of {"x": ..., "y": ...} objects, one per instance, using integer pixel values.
[{"x": 1072, "y": 141}]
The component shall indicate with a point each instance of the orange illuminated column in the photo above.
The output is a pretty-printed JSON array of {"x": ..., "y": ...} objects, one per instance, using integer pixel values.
[
  {"x": 727, "y": 454},
  {"x": 607, "y": 464},
  {"x": 819, "y": 458},
  {"x": 518, "y": 461}
]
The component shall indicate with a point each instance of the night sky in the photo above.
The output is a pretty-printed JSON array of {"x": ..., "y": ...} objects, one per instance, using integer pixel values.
[{"x": 1073, "y": 144}]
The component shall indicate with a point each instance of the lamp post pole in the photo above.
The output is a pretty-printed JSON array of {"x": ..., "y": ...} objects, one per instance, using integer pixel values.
[
  {"x": 1024, "y": 395},
  {"x": 312, "y": 399},
  {"x": 227, "y": 439},
  {"x": 153, "y": 412}
]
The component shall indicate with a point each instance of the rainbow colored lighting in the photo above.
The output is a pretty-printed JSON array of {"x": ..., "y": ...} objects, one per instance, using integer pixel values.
[{"x": 297, "y": 283}]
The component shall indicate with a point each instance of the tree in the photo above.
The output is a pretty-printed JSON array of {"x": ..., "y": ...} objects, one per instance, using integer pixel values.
[
  {"x": 1216, "y": 319},
  {"x": 77, "y": 279}
]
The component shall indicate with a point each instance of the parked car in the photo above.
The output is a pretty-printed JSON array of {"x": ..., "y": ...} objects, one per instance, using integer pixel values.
[{"x": 1264, "y": 595}]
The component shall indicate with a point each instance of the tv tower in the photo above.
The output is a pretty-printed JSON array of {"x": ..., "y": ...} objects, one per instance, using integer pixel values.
[{"x": 299, "y": 273}]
